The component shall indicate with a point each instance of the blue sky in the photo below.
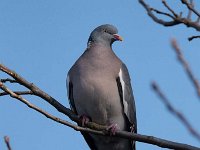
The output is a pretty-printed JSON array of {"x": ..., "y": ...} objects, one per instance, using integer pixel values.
[{"x": 42, "y": 39}]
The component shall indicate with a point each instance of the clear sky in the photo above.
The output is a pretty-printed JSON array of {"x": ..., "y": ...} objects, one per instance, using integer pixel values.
[{"x": 42, "y": 39}]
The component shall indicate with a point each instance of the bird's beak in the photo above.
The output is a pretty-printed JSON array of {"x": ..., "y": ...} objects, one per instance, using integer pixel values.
[{"x": 118, "y": 37}]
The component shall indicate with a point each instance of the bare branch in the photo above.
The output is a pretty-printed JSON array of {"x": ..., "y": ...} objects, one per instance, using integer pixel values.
[
  {"x": 36, "y": 91},
  {"x": 176, "y": 19},
  {"x": 8, "y": 80},
  {"x": 193, "y": 37},
  {"x": 186, "y": 66},
  {"x": 162, "y": 13},
  {"x": 7, "y": 141},
  {"x": 176, "y": 113},
  {"x": 190, "y": 11},
  {"x": 168, "y": 7},
  {"x": 155, "y": 18},
  {"x": 18, "y": 93},
  {"x": 30, "y": 105},
  {"x": 190, "y": 6},
  {"x": 123, "y": 134}
]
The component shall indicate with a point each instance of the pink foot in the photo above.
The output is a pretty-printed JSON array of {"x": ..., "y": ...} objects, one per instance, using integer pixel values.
[
  {"x": 113, "y": 128},
  {"x": 84, "y": 120},
  {"x": 132, "y": 128}
]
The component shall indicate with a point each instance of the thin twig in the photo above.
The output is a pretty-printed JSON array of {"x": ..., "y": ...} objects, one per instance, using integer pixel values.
[
  {"x": 193, "y": 37},
  {"x": 186, "y": 66},
  {"x": 190, "y": 7},
  {"x": 176, "y": 113},
  {"x": 162, "y": 13},
  {"x": 18, "y": 93},
  {"x": 123, "y": 134},
  {"x": 168, "y": 7},
  {"x": 190, "y": 11},
  {"x": 8, "y": 80},
  {"x": 7, "y": 141}
]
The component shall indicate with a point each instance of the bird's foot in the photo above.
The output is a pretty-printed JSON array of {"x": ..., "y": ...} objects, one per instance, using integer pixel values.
[
  {"x": 132, "y": 128},
  {"x": 113, "y": 128},
  {"x": 84, "y": 120}
]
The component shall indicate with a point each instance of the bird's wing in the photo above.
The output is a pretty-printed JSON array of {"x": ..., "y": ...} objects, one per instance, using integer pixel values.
[
  {"x": 126, "y": 95},
  {"x": 70, "y": 94}
]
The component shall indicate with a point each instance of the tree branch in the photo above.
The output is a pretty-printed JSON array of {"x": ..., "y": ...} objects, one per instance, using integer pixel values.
[
  {"x": 138, "y": 137},
  {"x": 170, "y": 9},
  {"x": 193, "y": 37},
  {"x": 190, "y": 11},
  {"x": 176, "y": 113},
  {"x": 176, "y": 19},
  {"x": 162, "y": 13},
  {"x": 8, "y": 80},
  {"x": 190, "y": 6},
  {"x": 155, "y": 18},
  {"x": 30, "y": 105},
  {"x": 7, "y": 141},
  {"x": 18, "y": 93},
  {"x": 36, "y": 91},
  {"x": 91, "y": 127},
  {"x": 186, "y": 66}
]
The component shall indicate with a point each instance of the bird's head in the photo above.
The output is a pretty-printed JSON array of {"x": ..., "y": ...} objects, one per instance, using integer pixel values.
[{"x": 105, "y": 34}]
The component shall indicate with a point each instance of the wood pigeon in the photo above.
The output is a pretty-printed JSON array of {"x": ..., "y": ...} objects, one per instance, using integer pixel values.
[{"x": 99, "y": 90}]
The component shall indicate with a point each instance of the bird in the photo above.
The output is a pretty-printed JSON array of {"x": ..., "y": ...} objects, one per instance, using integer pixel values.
[{"x": 99, "y": 90}]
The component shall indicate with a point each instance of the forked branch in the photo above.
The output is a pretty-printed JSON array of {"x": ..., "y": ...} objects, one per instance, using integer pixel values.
[{"x": 175, "y": 18}]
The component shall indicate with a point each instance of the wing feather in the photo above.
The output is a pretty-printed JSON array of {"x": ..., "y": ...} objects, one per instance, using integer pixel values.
[{"x": 126, "y": 95}]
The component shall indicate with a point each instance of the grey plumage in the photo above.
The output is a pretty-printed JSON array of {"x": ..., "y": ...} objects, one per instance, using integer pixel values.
[{"x": 99, "y": 87}]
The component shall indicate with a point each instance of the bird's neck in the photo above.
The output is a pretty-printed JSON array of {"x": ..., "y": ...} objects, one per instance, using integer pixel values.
[{"x": 92, "y": 45}]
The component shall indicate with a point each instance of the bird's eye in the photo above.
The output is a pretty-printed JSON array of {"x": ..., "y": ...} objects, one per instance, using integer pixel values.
[{"x": 105, "y": 30}]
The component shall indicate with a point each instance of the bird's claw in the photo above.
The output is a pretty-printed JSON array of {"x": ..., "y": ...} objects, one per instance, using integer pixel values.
[
  {"x": 84, "y": 120},
  {"x": 132, "y": 128},
  {"x": 113, "y": 128}
]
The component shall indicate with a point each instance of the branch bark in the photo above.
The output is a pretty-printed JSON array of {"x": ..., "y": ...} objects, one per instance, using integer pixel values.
[{"x": 90, "y": 127}]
